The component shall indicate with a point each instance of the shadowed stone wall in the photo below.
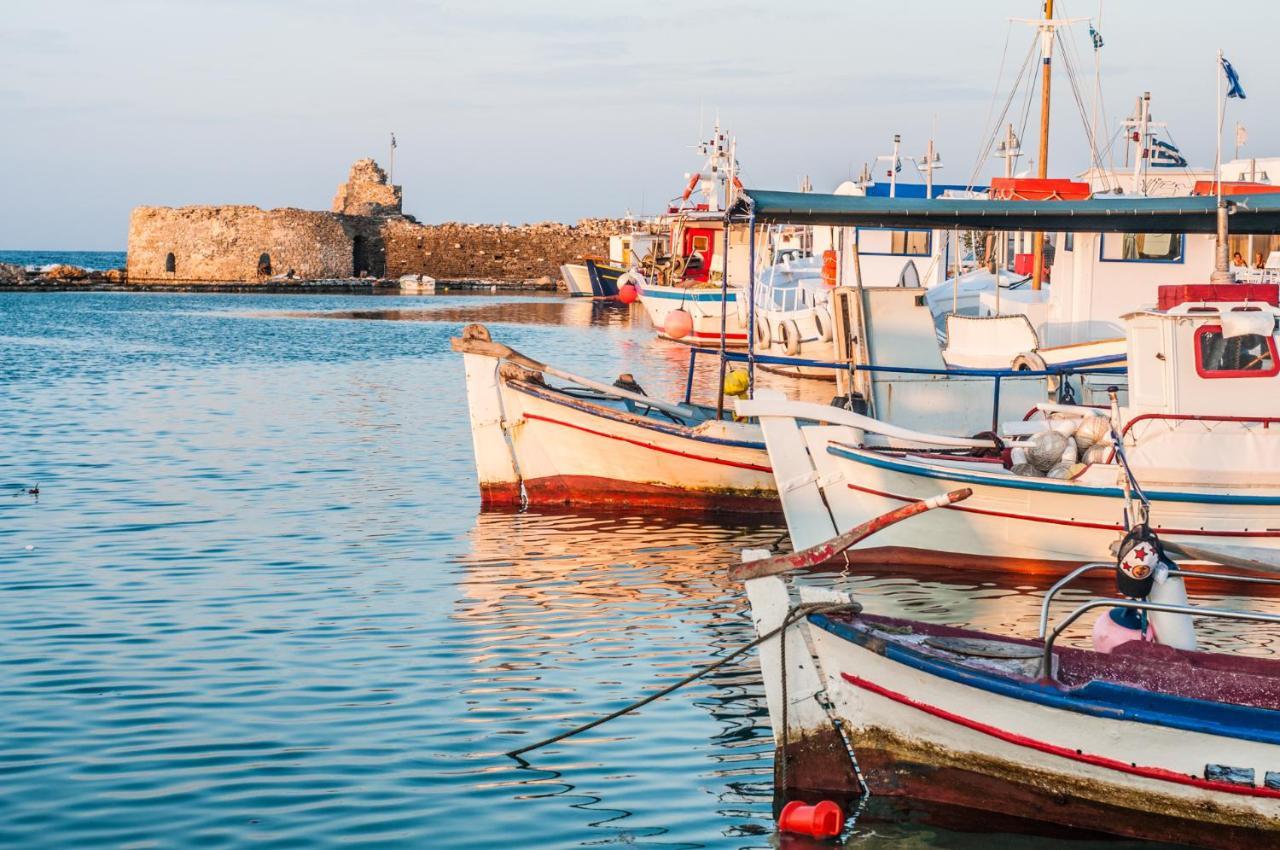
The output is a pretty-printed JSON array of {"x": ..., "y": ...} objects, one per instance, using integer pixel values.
[{"x": 507, "y": 253}]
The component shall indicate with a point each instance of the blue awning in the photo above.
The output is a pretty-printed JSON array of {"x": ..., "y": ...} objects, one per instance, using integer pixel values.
[{"x": 1186, "y": 214}]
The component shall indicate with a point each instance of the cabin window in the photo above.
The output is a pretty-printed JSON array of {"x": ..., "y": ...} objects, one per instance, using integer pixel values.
[
  {"x": 902, "y": 243},
  {"x": 1142, "y": 247},
  {"x": 700, "y": 243},
  {"x": 1068, "y": 241},
  {"x": 1247, "y": 356}
]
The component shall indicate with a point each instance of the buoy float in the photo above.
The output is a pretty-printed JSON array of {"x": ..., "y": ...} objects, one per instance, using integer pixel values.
[
  {"x": 737, "y": 382},
  {"x": 823, "y": 820},
  {"x": 829, "y": 268},
  {"x": 628, "y": 293},
  {"x": 678, "y": 324}
]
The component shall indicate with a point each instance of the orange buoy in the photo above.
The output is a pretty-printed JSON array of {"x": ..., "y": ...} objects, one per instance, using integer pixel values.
[
  {"x": 829, "y": 267},
  {"x": 824, "y": 820},
  {"x": 678, "y": 324},
  {"x": 628, "y": 293}
]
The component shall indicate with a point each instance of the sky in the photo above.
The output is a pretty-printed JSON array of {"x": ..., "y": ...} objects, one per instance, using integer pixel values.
[{"x": 533, "y": 111}]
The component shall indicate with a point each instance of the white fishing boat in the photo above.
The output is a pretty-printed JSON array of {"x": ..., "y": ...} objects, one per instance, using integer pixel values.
[
  {"x": 1142, "y": 736},
  {"x": 1198, "y": 431},
  {"x": 587, "y": 443}
]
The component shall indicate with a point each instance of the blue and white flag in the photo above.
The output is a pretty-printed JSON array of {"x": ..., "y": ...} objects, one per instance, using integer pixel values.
[
  {"x": 1165, "y": 155},
  {"x": 1096, "y": 36},
  {"x": 1234, "y": 88}
]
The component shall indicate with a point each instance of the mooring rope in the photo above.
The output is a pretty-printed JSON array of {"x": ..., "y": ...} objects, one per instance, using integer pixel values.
[{"x": 794, "y": 615}]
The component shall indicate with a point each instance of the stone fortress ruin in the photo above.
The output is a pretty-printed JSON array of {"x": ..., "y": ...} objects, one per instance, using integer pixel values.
[{"x": 365, "y": 235}]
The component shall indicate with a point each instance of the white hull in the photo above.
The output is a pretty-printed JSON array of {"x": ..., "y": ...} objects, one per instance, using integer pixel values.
[{"x": 705, "y": 306}]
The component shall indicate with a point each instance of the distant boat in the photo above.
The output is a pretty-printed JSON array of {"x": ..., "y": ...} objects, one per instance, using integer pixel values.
[{"x": 592, "y": 278}]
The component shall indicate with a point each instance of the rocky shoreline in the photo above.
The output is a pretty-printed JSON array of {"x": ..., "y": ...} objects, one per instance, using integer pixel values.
[{"x": 67, "y": 278}]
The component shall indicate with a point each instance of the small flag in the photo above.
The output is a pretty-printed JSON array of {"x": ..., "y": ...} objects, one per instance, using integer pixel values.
[
  {"x": 1234, "y": 88},
  {"x": 1096, "y": 36},
  {"x": 1242, "y": 135},
  {"x": 1165, "y": 155},
  {"x": 897, "y": 166}
]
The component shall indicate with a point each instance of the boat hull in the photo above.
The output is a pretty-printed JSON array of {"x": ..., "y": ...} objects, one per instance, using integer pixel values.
[
  {"x": 536, "y": 446},
  {"x": 1027, "y": 523},
  {"x": 936, "y": 739},
  {"x": 706, "y": 306}
]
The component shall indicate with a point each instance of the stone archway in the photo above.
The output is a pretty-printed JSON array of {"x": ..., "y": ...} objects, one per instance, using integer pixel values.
[{"x": 264, "y": 264}]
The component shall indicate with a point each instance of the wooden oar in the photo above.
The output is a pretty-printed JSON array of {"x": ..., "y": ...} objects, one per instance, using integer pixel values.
[
  {"x": 1249, "y": 558},
  {"x": 823, "y": 552},
  {"x": 497, "y": 350}
]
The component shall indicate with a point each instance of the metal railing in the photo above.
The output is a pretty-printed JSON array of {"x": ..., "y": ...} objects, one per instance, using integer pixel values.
[{"x": 1046, "y": 660}]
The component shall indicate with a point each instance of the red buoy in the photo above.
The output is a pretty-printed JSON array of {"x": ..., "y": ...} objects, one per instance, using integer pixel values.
[
  {"x": 824, "y": 820},
  {"x": 678, "y": 324},
  {"x": 628, "y": 293}
]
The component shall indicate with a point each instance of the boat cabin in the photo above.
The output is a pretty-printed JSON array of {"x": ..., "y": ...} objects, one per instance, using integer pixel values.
[{"x": 1206, "y": 351}]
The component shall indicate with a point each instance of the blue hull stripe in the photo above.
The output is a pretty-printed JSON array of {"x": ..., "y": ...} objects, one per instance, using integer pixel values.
[
  {"x": 687, "y": 296},
  {"x": 1040, "y": 484},
  {"x": 1096, "y": 699}
]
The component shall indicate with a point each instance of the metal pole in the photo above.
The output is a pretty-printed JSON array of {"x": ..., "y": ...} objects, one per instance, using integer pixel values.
[
  {"x": 724, "y": 308},
  {"x": 688, "y": 383},
  {"x": 1046, "y": 36},
  {"x": 893, "y": 167},
  {"x": 1222, "y": 259},
  {"x": 751, "y": 302}
]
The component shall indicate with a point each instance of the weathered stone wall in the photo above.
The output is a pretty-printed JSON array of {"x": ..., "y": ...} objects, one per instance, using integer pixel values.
[
  {"x": 225, "y": 243},
  {"x": 367, "y": 192},
  {"x": 513, "y": 254}
]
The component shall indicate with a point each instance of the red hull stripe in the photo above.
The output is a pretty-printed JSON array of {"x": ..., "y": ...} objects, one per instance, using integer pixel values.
[
  {"x": 1186, "y": 532},
  {"x": 753, "y": 467},
  {"x": 702, "y": 335},
  {"x": 1158, "y": 773}
]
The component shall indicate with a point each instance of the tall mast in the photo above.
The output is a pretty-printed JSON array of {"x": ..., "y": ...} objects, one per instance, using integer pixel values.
[
  {"x": 893, "y": 167},
  {"x": 1046, "y": 71}
]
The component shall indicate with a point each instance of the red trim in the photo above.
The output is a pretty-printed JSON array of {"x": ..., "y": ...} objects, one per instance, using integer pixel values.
[
  {"x": 1191, "y": 417},
  {"x": 563, "y": 491},
  {"x": 717, "y": 336},
  {"x": 1063, "y": 752},
  {"x": 1215, "y": 374},
  {"x": 676, "y": 452},
  {"x": 1101, "y": 526}
]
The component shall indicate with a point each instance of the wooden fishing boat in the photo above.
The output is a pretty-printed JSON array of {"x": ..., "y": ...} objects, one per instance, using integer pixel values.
[
  {"x": 1146, "y": 741},
  {"x": 587, "y": 443}
]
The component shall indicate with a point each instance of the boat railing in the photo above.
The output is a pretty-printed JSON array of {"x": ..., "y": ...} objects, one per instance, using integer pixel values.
[
  {"x": 1109, "y": 565},
  {"x": 1084, "y": 366},
  {"x": 1046, "y": 660}
]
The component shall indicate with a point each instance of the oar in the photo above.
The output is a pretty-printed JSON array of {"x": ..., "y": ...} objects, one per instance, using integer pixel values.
[
  {"x": 1229, "y": 555},
  {"x": 823, "y": 552},
  {"x": 489, "y": 348}
]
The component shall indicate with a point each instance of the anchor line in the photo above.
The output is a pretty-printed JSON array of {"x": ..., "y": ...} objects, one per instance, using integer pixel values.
[{"x": 796, "y": 614}]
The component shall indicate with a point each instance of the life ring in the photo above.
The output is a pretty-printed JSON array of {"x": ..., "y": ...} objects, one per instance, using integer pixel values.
[
  {"x": 789, "y": 336},
  {"x": 822, "y": 321},
  {"x": 764, "y": 338},
  {"x": 740, "y": 306},
  {"x": 1030, "y": 361}
]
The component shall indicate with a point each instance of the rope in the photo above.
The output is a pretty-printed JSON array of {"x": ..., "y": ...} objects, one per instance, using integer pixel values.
[{"x": 795, "y": 614}]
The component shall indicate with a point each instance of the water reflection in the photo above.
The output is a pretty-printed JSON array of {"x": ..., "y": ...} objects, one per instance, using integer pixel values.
[{"x": 573, "y": 312}]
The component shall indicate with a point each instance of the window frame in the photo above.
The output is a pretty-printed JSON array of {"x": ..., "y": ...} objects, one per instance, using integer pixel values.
[
  {"x": 1102, "y": 249},
  {"x": 928, "y": 241},
  {"x": 1218, "y": 374}
]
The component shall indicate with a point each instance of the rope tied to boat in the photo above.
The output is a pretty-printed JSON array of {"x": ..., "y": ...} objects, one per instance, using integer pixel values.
[{"x": 794, "y": 615}]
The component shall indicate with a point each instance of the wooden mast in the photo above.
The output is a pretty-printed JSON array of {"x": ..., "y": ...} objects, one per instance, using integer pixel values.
[{"x": 1046, "y": 35}]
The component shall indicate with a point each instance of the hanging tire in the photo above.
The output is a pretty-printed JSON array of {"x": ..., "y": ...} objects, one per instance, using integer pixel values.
[
  {"x": 822, "y": 320},
  {"x": 789, "y": 336},
  {"x": 764, "y": 338},
  {"x": 1030, "y": 361}
]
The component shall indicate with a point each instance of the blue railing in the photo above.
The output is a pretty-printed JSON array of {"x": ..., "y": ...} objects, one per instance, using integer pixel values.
[{"x": 1085, "y": 366}]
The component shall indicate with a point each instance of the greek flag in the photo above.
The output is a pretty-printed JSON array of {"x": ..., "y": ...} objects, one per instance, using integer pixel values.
[
  {"x": 1233, "y": 80},
  {"x": 1096, "y": 36},
  {"x": 1165, "y": 155}
]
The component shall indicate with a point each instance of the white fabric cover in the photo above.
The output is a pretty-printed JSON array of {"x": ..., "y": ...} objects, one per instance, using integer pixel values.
[{"x": 1246, "y": 323}]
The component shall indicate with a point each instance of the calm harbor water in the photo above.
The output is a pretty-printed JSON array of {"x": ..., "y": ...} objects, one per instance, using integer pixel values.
[{"x": 255, "y": 605}]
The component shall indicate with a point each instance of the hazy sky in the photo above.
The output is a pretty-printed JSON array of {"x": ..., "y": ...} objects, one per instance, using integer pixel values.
[{"x": 525, "y": 111}]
